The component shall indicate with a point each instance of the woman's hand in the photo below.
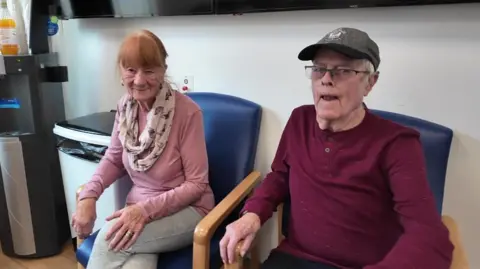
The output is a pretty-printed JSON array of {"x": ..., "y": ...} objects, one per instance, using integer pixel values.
[
  {"x": 83, "y": 219},
  {"x": 128, "y": 227}
]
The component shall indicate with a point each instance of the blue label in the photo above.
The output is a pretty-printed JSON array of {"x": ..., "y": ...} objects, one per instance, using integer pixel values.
[
  {"x": 9, "y": 103},
  {"x": 52, "y": 28}
]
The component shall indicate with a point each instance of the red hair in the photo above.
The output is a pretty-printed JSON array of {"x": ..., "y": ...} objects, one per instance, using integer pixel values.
[{"x": 142, "y": 49}]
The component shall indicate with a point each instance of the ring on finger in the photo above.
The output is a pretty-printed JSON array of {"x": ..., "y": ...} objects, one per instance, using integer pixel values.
[{"x": 129, "y": 234}]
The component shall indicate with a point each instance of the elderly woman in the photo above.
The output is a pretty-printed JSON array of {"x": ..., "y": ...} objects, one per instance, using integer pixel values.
[{"x": 158, "y": 139}]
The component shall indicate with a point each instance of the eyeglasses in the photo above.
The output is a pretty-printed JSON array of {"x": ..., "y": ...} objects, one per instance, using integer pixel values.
[{"x": 317, "y": 72}]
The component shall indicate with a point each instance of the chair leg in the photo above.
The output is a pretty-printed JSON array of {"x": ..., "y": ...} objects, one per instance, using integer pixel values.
[
  {"x": 79, "y": 242},
  {"x": 254, "y": 257}
]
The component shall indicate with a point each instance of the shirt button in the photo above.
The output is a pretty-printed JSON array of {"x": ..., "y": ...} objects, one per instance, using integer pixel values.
[{"x": 327, "y": 150}]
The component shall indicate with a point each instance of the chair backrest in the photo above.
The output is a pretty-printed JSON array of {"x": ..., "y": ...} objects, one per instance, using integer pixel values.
[
  {"x": 436, "y": 141},
  {"x": 232, "y": 127}
]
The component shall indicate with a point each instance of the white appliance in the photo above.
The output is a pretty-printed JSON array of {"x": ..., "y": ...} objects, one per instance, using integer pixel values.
[{"x": 81, "y": 143}]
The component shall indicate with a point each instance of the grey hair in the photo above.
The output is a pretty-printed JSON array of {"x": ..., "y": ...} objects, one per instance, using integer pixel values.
[{"x": 369, "y": 66}]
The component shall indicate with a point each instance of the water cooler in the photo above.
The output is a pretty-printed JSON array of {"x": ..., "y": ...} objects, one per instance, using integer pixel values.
[{"x": 33, "y": 213}]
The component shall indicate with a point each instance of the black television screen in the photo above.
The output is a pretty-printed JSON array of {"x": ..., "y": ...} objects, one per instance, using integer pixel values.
[
  {"x": 134, "y": 8},
  {"x": 246, "y": 6}
]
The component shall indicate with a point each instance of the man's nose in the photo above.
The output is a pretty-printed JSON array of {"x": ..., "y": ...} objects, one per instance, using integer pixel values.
[{"x": 327, "y": 79}]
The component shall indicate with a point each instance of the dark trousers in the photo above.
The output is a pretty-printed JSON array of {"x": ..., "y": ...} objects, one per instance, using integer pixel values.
[{"x": 281, "y": 260}]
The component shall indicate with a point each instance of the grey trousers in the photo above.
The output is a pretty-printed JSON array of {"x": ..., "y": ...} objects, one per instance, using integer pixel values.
[{"x": 162, "y": 235}]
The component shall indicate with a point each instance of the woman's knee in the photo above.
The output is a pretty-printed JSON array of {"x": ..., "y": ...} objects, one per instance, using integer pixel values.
[
  {"x": 101, "y": 244},
  {"x": 102, "y": 256},
  {"x": 144, "y": 261},
  {"x": 168, "y": 234}
]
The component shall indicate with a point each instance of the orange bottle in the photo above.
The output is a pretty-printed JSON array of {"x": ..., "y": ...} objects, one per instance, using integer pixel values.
[{"x": 8, "y": 31}]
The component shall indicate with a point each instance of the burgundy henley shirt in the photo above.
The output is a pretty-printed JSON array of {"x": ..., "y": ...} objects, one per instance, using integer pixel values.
[{"x": 359, "y": 198}]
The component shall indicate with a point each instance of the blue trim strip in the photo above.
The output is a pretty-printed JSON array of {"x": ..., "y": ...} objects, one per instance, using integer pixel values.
[{"x": 9, "y": 103}]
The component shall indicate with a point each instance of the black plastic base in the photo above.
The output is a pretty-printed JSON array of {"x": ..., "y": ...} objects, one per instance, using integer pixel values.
[
  {"x": 33, "y": 256},
  {"x": 74, "y": 243},
  {"x": 48, "y": 210}
]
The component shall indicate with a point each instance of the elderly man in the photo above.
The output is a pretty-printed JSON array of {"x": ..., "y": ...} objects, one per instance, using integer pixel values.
[{"x": 358, "y": 184}]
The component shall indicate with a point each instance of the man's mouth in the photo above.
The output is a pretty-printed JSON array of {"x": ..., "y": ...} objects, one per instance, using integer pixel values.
[{"x": 328, "y": 97}]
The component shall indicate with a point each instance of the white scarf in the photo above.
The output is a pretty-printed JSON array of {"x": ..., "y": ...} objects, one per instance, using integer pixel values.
[{"x": 144, "y": 150}]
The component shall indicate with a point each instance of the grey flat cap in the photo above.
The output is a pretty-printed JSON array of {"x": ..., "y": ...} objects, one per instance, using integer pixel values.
[{"x": 351, "y": 42}]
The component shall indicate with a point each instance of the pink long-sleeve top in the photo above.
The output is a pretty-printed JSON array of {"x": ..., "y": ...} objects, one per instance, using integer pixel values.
[{"x": 178, "y": 179}]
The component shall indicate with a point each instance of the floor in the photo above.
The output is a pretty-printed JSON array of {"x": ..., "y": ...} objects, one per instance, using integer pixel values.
[{"x": 65, "y": 260}]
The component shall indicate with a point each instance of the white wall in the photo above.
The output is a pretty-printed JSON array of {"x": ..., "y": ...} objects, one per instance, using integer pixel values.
[{"x": 430, "y": 69}]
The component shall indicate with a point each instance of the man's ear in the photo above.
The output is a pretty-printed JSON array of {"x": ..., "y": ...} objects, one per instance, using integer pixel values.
[{"x": 372, "y": 80}]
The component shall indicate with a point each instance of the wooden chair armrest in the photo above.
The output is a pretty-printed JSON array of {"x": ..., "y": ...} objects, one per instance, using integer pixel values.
[
  {"x": 239, "y": 260},
  {"x": 254, "y": 251},
  {"x": 209, "y": 224},
  {"x": 459, "y": 255}
]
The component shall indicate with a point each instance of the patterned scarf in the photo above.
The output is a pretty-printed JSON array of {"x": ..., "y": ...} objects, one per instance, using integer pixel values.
[{"x": 144, "y": 150}]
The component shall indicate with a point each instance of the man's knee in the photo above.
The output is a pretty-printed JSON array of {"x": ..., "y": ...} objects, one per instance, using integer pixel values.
[
  {"x": 281, "y": 260},
  {"x": 275, "y": 260}
]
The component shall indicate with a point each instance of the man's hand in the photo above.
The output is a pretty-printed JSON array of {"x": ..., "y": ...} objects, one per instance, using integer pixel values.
[
  {"x": 83, "y": 219},
  {"x": 245, "y": 229},
  {"x": 128, "y": 227}
]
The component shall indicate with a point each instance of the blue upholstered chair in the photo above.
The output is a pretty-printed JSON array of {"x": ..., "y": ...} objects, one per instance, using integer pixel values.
[
  {"x": 436, "y": 141},
  {"x": 232, "y": 127}
]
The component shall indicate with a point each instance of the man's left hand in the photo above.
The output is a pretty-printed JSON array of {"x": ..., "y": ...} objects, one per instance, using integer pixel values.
[{"x": 126, "y": 230}]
